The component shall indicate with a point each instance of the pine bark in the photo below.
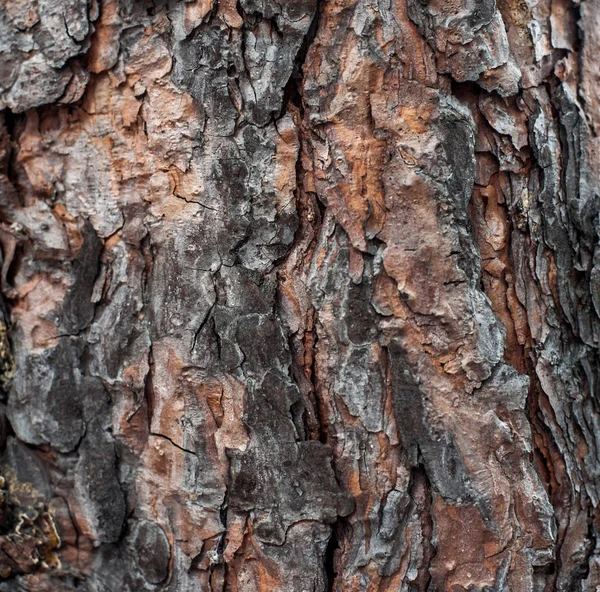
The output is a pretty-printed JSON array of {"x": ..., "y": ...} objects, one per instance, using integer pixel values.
[{"x": 299, "y": 295}]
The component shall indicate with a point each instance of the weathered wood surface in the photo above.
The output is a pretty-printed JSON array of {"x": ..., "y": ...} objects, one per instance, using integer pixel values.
[{"x": 301, "y": 295}]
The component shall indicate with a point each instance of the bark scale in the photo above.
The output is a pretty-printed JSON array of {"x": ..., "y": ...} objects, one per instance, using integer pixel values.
[{"x": 300, "y": 295}]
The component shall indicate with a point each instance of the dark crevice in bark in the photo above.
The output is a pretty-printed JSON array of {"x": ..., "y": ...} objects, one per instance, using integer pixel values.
[
  {"x": 207, "y": 318},
  {"x": 13, "y": 123},
  {"x": 10, "y": 119},
  {"x": 149, "y": 388},
  {"x": 549, "y": 476},
  {"x": 311, "y": 211},
  {"x": 186, "y": 450},
  {"x": 292, "y": 93},
  {"x": 329, "y": 559},
  {"x": 319, "y": 403},
  {"x": 310, "y": 220},
  {"x": 7, "y": 363},
  {"x": 419, "y": 479},
  {"x": 6, "y": 430},
  {"x": 593, "y": 537}
]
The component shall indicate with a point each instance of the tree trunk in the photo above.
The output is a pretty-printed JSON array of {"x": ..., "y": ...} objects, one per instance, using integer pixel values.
[{"x": 300, "y": 295}]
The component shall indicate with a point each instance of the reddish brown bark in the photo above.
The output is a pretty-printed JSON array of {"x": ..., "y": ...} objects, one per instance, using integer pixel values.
[{"x": 300, "y": 296}]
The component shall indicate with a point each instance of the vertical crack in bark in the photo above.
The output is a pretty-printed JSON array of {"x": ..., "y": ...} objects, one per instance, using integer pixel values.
[
  {"x": 329, "y": 560},
  {"x": 8, "y": 121},
  {"x": 292, "y": 93}
]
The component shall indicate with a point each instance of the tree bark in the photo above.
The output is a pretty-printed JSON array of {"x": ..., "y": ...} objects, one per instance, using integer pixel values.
[{"x": 300, "y": 295}]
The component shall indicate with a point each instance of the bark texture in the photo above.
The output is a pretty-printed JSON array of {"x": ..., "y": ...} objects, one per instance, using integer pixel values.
[{"x": 300, "y": 295}]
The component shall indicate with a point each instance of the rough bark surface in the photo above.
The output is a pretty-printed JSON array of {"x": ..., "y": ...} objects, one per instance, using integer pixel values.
[{"x": 300, "y": 295}]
